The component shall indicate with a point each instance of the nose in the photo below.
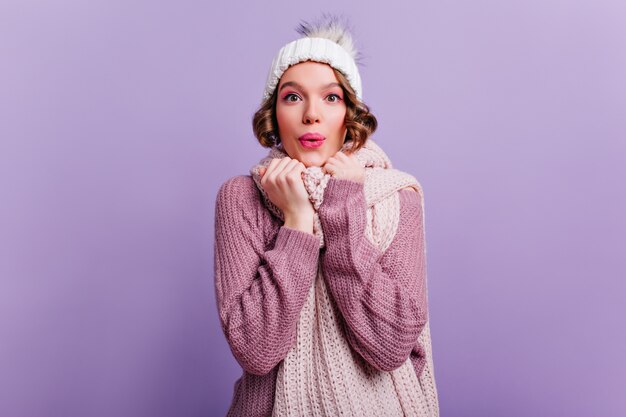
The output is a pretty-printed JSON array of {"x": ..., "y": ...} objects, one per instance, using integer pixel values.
[{"x": 311, "y": 115}]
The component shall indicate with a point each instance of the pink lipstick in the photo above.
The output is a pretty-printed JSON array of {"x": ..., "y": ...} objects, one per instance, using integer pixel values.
[{"x": 311, "y": 140}]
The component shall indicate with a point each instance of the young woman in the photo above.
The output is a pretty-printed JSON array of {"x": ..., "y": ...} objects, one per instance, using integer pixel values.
[{"x": 320, "y": 258}]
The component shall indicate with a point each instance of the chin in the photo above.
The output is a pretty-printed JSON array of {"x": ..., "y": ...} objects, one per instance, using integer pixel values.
[{"x": 313, "y": 161}]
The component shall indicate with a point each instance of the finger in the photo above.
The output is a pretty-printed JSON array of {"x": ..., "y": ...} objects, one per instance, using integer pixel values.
[
  {"x": 268, "y": 171},
  {"x": 348, "y": 159},
  {"x": 337, "y": 162},
  {"x": 280, "y": 165},
  {"x": 270, "y": 167},
  {"x": 294, "y": 171},
  {"x": 341, "y": 156},
  {"x": 289, "y": 168},
  {"x": 301, "y": 167},
  {"x": 296, "y": 166},
  {"x": 274, "y": 167}
]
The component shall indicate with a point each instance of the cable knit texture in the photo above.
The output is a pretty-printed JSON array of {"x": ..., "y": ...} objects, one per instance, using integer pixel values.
[{"x": 333, "y": 323}]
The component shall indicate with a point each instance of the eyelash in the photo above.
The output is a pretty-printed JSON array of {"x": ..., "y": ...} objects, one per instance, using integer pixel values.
[{"x": 286, "y": 98}]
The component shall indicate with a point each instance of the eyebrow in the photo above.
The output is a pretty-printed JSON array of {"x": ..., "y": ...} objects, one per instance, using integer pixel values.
[{"x": 295, "y": 84}]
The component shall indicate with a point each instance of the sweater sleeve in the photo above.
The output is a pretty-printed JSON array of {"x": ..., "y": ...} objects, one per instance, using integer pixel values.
[
  {"x": 381, "y": 296},
  {"x": 260, "y": 291}
]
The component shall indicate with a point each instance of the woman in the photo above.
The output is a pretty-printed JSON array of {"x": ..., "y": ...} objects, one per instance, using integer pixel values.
[{"x": 320, "y": 269}]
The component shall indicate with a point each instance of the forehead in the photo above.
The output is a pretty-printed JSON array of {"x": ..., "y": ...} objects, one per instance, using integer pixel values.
[{"x": 309, "y": 74}]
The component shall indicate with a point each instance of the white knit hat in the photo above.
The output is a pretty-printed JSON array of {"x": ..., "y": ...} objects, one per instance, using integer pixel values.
[{"x": 327, "y": 41}]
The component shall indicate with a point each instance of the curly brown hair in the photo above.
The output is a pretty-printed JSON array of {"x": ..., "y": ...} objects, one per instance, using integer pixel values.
[{"x": 360, "y": 122}]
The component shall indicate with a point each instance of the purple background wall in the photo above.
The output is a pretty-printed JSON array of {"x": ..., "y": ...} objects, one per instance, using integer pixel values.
[{"x": 120, "y": 119}]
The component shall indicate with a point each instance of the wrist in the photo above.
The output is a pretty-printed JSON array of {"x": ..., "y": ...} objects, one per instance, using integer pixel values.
[{"x": 300, "y": 222}]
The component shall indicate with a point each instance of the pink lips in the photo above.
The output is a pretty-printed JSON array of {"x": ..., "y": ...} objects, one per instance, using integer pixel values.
[{"x": 311, "y": 140}]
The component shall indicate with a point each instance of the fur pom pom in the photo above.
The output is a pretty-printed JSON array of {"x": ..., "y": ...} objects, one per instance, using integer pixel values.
[{"x": 333, "y": 27}]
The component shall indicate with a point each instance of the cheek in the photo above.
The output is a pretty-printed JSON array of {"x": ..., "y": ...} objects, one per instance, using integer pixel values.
[
  {"x": 280, "y": 114},
  {"x": 284, "y": 118},
  {"x": 338, "y": 120}
]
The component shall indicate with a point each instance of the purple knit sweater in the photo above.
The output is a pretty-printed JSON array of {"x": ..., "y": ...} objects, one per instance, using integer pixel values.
[{"x": 264, "y": 270}]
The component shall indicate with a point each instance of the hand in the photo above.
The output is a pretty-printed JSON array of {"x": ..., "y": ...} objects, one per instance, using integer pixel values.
[
  {"x": 342, "y": 166},
  {"x": 283, "y": 184}
]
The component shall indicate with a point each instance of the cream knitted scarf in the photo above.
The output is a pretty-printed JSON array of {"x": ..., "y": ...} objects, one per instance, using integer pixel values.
[{"x": 321, "y": 375}]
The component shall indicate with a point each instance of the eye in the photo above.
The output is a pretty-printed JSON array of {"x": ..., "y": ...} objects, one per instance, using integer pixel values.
[
  {"x": 288, "y": 97},
  {"x": 336, "y": 96}
]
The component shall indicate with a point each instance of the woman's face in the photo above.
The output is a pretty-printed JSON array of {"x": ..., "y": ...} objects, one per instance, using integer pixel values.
[{"x": 310, "y": 100}]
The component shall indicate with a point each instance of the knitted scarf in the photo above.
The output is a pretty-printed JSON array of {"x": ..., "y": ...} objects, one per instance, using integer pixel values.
[{"x": 321, "y": 375}]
